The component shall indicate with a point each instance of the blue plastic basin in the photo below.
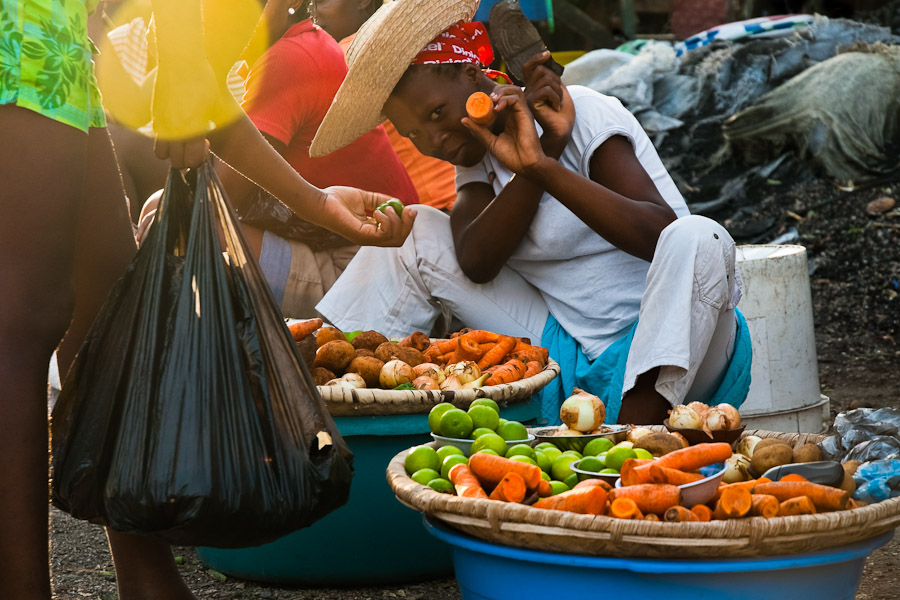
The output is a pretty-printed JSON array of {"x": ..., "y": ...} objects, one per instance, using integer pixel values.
[
  {"x": 371, "y": 540},
  {"x": 488, "y": 571}
]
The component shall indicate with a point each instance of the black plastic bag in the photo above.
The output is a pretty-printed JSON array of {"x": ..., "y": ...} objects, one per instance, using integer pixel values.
[
  {"x": 267, "y": 212},
  {"x": 188, "y": 413}
]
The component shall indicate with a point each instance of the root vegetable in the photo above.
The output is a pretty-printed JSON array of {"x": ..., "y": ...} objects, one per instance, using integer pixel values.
[
  {"x": 582, "y": 411},
  {"x": 731, "y": 414},
  {"x": 465, "y": 483},
  {"x": 684, "y": 417},
  {"x": 770, "y": 456},
  {"x": 801, "y": 505},
  {"x": 511, "y": 488},
  {"x": 424, "y": 382},
  {"x": 585, "y": 501},
  {"x": 733, "y": 503},
  {"x": 451, "y": 383},
  {"x": 737, "y": 468},
  {"x": 679, "y": 514},
  {"x": 490, "y": 469},
  {"x": 389, "y": 351},
  {"x": 369, "y": 340},
  {"x": 329, "y": 334},
  {"x": 395, "y": 372},
  {"x": 747, "y": 445},
  {"x": 480, "y": 108},
  {"x": 625, "y": 508},
  {"x": 321, "y": 375},
  {"x": 650, "y": 497},
  {"x": 418, "y": 340},
  {"x": 369, "y": 368},
  {"x": 807, "y": 453},
  {"x": 353, "y": 380},
  {"x": 702, "y": 512},
  {"x": 764, "y": 505},
  {"x": 674, "y": 476},
  {"x": 716, "y": 420},
  {"x": 430, "y": 370},
  {"x": 636, "y": 433},
  {"x": 335, "y": 355},
  {"x": 693, "y": 457},
  {"x": 823, "y": 496},
  {"x": 465, "y": 371},
  {"x": 301, "y": 329},
  {"x": 657, "y": 443}
]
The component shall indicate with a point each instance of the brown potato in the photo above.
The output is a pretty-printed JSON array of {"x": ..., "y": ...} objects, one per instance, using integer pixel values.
[
  {"x": 364, "y": 352},
  {"x": 368, "y": 367},
  {"x": 321, "y": 375},
  {"x": 807, "y": 453},
  {"x": 328, "y": 334},
  {"x": 766, "y": 442},
  {"x": 368, "y": 340},
  {"x": 389, "y": 351},
  {"x": 335, "y": 356},
  {"x": 848, "y": 483},
  {"x": 851, "y": 466},
  {"x": 771, "y": 456},
  {"x": 307, "y": 348},
  {"x": 658, "y": 443}
]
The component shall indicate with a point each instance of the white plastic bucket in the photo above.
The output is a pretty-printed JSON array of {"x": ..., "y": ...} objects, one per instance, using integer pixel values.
[{"x": 784, "y": 390}]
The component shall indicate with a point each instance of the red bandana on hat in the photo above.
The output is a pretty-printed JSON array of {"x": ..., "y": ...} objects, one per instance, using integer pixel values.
[{"x": 460, "y": 43}]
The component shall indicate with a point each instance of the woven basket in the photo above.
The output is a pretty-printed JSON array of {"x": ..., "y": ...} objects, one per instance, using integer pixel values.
[
  {"x": 343, "y": 402},
  {"x": 556, "y": 531}
]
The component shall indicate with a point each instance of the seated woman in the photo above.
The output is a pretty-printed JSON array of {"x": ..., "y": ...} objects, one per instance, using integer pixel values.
[{"x": 567, "y": 228}]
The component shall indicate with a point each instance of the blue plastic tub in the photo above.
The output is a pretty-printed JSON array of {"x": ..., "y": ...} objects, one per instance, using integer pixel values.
[
  {"x": 488, "y": 571},
  {"x": 371, "y": 540}
]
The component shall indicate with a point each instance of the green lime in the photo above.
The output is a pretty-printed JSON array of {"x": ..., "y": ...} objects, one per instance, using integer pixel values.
[
  {"x": 441, "y": 485},
  {"x": 477, "y": 433},
  {"x": 512, "y": 430},
  {"x": 392, "y": 203},
  {"x": 597, "y": 446},
  {"x": 591, "y": 464},
  {"x": 571, "y": 480},
  {"x": 502, "y": 420},
  {"x": 491, "y": 441},
  {"x": 552, "y": 453},
  {"x": 451, "y": 460},
  {"x": 445, "y": 451},
  {"x": 422, "y": 457},
  {"x": 617, "y": 456},
  {"x": 641, "y": 453},
  {"x": 544, "y": 446},
  {"x": 574, "y": 453},
  {"x": 524, "y": 459},
  {"x": 523, "y": 449},
  {"x": 423, "y": 476},
  {"x": 488, "y": 451},
  {"x": 560, "y": 468},
  {"x": 486, "y": 402},
  {"x": 435, "y": 414},
  {"x": 542, "y": 460},
  {"x": 545, "y": 475},
  {"x": 609, "y": 471},
  {"x": 455, "y": 423},
  {"x": 558, "y": 487},
  {"x": 484, "y": 416}
]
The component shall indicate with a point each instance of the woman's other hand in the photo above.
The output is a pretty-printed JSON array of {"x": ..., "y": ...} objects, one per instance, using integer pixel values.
[{"x": 549, "y": 101}]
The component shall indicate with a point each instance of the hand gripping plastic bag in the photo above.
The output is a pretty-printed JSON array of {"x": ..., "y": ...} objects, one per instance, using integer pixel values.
[{"x": 188, "y": 413}]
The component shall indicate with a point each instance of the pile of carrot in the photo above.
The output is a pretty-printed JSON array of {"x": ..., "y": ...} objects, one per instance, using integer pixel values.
[{"x": 505, "y": 358}]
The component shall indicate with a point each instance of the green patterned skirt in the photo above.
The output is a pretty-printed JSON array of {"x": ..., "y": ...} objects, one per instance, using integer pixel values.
[{"x": 45, "y": 60}]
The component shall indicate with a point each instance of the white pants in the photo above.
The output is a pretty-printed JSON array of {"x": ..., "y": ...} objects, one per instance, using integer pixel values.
[{"x": 686, "y": 323}]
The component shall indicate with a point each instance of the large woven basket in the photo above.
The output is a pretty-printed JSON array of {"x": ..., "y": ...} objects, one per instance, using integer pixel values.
[
  {"x": 343, "y": 402},
  {"x": 556, "y": 531}
]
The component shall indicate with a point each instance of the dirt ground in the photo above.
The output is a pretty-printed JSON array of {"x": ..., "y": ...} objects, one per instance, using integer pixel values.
[{"x": 857, "y": 315}]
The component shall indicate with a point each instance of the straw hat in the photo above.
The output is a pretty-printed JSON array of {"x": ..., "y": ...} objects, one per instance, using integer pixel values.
[{"x": 381, "y": 52}]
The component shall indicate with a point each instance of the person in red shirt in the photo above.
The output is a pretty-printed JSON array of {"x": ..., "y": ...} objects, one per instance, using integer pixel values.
[{"x": 288, "y": 93}]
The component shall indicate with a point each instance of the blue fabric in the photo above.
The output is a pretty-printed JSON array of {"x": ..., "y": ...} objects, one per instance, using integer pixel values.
[{"x": 604, "y": 377}]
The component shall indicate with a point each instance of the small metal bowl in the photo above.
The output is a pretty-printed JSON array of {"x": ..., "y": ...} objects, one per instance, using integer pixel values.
[
  {"x": 698, "y": 492},
  {"x": 615, "y": 433},
  {"x": 609, "y": 478}
]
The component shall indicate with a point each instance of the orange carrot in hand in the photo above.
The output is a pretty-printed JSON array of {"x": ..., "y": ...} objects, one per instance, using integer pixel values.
[
  {"x": 585, "y": 501},
  {"x": 625, "y": 508},
  {"x": 490, "y": 469},
  {"x": 733, "y": 503},
  {"x": 301, "y": 329},
  {"x": 510, "y": 489},
  {"x": 764, "y": 505},
  {"x": 504, "y": 344},
  {"x": 799, "y": 505},
  {"x": 480, "y": 109},
  {"x": 824, "y": 497},
  {"x": 679, "y": 514},
  {"x": 650, "y": 497},
  {"x": 466, "y": 484},
  {"x": 702, "y": 512}
]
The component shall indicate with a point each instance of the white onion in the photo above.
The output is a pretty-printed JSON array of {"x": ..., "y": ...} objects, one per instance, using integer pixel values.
[
  {"x": 637, "y": 433},
  {"x": 465, "y": 371},
  {"x": 424, "y": 382},
  {"x": 353, "y": 380},
  {"x": 476, "y": 383},
  {"x": 732, "y": 414},
  {"x": 430, "y": 370},
  {"x": 748, "y": 444},
  {"x": 699, "y": 408},
  {"x": 716, "y": 419},
  {"x": 451, "y": 383},
  {"x": 684, "y": 417},
  {"x": 736, "y": 469},
  {"x": 582, "y": 411},
  {"x": 395, "y": 372}
]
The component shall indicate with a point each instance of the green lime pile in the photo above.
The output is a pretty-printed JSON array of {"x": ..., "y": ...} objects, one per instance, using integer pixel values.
[{"x": 482, "y": 418}]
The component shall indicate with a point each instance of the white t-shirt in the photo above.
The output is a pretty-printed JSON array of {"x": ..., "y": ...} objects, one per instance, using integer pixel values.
[{"x": 592, "y": 288}]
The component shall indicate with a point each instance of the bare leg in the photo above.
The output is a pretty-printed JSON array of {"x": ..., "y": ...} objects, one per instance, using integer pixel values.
[
  {"x": 145, "y": 567},
  {"x": 41, "y": 170}
]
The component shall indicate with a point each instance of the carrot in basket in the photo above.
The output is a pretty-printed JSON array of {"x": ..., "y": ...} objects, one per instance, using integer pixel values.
[
  {"x": 630, "y": 476},
  {"x": 585, "y": 501},
  {"x": 592, "y": 483},
  {"x": 702, "y": 512},
  {"x": 764, "y": 505},
  {"x": 674, "y": 476},
  {"x": 651, "y": 517},
  {"x": 490, "y": 469},
  {"x": 418, "y": 340},
  {"x": 625, "y": 508},
  {"x": 487, "y": 347},
  {"x": 510, "y": 371},
  {"x": 466, "y": 484},
  {"x": 510, "y": 489},
  {"x": 441, "y": 347},
  {"x": 733, "y": 503},
  {"x": 532, "y": 368},
  {"x": 529, "y": 353},
  {"x": 799, "y": 505},
  {"x": 793, "y": 477},
  {"x": 480, "y": 109},
  {"x": 823, "y": 496},
  {"x": 301, "y": 329},
  {"x": 496, "y": 354},
  {"x": 650, "y": 497},
  {"x": 693, "y": 457},
  {"x": 466, "y": 349},
  {"x": 679, "y": 514},
  {"x": 748, "y": 485},
  {"x": 482, "y": 336},
  {"x": 544, "y": 488}
]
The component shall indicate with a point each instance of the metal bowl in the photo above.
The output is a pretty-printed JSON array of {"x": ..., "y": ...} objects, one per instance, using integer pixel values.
[
  {"x": 616, "y": 433},
  {"x": 698, "y": 492},
  {"x": 609, "y": 478}
]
